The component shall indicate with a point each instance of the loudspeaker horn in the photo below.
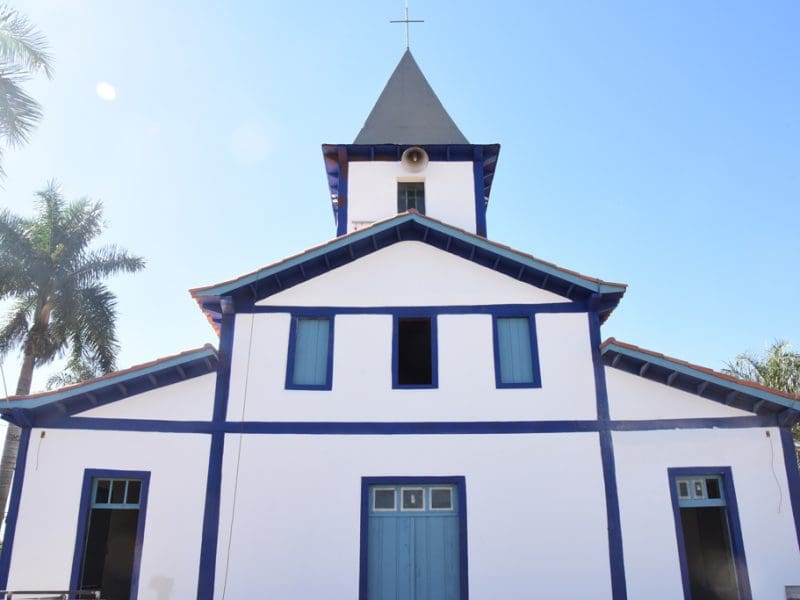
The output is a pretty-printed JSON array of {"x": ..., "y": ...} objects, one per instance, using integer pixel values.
[{"x": 414, "y": 159}]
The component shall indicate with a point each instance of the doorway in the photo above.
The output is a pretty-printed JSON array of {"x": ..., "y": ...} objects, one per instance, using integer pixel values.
[{"x": 109, "y": 542}]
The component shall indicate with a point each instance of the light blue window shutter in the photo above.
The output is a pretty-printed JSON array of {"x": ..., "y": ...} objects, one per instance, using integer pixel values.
[
  {"x": 311, "y": 352},
  {"x": 514, "y": 350}
]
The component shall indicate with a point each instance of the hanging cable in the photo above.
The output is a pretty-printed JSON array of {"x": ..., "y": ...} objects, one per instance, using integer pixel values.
[
  {"x": 238, "y": 454},
  {"x": 774, "y": 474}
]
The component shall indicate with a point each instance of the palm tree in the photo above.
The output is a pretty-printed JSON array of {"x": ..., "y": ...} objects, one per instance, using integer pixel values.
[
  {"x": 23, "y": 53},
  {"x": 58, "y": 303},
  {"x": 778, "y": 368}
]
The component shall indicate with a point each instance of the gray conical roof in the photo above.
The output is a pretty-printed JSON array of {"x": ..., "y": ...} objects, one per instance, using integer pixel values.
[{"x": 408, "y": 112}]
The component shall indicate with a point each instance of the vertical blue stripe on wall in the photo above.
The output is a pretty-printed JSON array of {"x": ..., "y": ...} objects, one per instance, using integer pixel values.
[
  {"x": 480, "y": 200},
  {"x": 208, "y": 544},
  {"x": 13, "y": 507},
  {"x": 619, "y": 589},
  {"x": 792, "y": 476}
]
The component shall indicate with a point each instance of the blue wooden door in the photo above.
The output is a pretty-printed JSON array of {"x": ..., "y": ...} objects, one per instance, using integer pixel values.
[{"x": 413, "y": 544}]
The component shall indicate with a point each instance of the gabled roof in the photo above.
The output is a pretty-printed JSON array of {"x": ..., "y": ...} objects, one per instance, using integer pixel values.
[
  {"x": 705, "y": 382},
  {"x": 45, "y": 407},
  {"x": 243, "y": 292},
  {"x": 409, "y": 112}
]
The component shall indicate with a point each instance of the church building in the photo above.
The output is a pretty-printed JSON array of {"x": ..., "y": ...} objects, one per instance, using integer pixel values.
[{"x": 409, "y": 411}]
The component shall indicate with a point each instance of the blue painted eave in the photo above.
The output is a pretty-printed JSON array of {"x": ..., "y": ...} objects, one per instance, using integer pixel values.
[
  {"x": 701, "y": 381},
  {"x": 336, "y": 157},
  {"x": 49, "y": 407},
  {"x": 239, "y": 295}
]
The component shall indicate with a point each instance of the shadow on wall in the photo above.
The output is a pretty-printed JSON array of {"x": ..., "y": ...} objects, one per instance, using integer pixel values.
[{"x": 162, "y": 586}]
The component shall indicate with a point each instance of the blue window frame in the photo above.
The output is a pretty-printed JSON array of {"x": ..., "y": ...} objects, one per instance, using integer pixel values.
[
  {"x": 413, "y": 538},
  {"x": 708, "y": 533},
  {"x": 414, "y": 352},
  {"x": 516, "y": 358},
  {"x": 310, "y": 356}
]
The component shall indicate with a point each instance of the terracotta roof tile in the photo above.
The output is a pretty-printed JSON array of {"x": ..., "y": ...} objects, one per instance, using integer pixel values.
[
  {"x": 132, "y": 369},
  {"x": 706, "y": 370}
]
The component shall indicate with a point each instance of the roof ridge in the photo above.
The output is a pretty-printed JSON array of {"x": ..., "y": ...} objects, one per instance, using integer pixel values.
[{"x": 414, "y": 214}]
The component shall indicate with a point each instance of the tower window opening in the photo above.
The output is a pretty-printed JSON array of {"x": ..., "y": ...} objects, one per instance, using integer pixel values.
[{"x": 411, "y": 195}]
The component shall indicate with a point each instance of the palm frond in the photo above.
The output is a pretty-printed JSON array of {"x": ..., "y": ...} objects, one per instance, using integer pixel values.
[
  {"x": 22, "y": 43},
  {"x": 82, "y": 222},
  {"x": 15, "y": 254},
  {"x": 105, "y": 262},
  {"x": 778, "y": 367},
  {"x": 97, "y": 317},
  {"x": 15, "y": 328},
  {"x": 19, "y": 112},
  {"x": 78, "y": 369}
]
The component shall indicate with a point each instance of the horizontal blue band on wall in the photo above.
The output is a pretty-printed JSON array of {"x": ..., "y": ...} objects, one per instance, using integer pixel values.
[
  {"x": 409, "y": 428},
  {"x": 486, "y": 309}
]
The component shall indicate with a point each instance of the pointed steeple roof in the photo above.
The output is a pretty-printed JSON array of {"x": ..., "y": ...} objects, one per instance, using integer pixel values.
[{"x": 408, "y": 112}]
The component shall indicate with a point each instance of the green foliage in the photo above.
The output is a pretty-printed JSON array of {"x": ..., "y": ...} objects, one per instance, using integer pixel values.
[
  {"x": 54, "y": 281},
  {"x": 778, "y": 368},
  {"x": 23, "y": 53},
  {"x": 76, "y": 371}
]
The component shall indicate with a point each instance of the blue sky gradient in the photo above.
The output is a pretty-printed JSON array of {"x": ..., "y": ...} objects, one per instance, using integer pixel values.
[{"x": 653, "y": 143}]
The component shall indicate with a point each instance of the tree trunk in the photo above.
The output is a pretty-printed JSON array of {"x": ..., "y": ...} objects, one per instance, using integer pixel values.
[{"x": 8, "y": 462}]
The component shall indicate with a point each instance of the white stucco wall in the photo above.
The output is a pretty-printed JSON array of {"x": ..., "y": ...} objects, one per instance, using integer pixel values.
[
  {"x": 648, "y": 526},
  {"x": 190, "y": 400},
  {"x": 411, "y": 274},
  {"x": 47, "y": 523},
  {"x": 634, "y": 397},
  {"x": 449, "y": 192},
  {"x": 362, "y": 373},
  {"x": 296, "y": 530}
]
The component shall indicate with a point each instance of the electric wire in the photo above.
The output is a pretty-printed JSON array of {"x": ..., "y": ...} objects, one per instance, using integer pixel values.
[
  {"x": 238, "y": 452},
  {"x": 774, "y": 474}
]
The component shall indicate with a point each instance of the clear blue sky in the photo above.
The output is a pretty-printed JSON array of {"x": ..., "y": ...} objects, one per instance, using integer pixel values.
[{"x": 653, "y": 143}]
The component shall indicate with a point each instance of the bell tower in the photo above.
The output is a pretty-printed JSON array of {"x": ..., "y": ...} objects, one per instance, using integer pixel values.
[{"x": 410, "y": 155}]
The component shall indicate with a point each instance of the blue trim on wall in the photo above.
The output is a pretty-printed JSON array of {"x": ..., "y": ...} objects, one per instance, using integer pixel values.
[
  {"x": 737, "y": 545},
  {"x": 502, "y": 310},
  {"x": 461, "y": 489},
  {"x": 83, "y": 522},
  {"x": 13, "y": 507},
  {"x": 619, "y": 589},
  {"x": 410, "y": 427},
  {"x": 208, "y": 547},
  {"x": 792, "y": 476},
  {"x": 480, "y": 191},
  {"x": 342, "y": 196},
  {"x": 537, "y": 375},
  {"x": 290, "y": 358},
  {"x": 434, "y": 351}
]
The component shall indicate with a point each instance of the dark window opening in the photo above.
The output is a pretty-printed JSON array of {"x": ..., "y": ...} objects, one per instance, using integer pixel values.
[
  {"x": 411, "y": 195},
  {"x": 108, "y": 557},
  {"x": 414, "y": 352},
  {"x": 709, "y": 559},
  {"x": 111, "y": 535}
]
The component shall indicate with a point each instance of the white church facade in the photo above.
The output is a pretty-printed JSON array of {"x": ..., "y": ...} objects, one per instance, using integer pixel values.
[{"x": 408, "y": 411}]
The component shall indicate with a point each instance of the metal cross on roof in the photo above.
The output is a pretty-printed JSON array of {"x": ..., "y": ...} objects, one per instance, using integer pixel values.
[{"x": 407, "y": 21}]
